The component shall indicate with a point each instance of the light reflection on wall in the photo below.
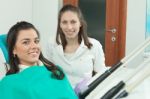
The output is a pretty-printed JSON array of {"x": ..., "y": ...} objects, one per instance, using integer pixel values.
[
  {"x": 148, "y": 18},
  {"x": 148, "y": 24}
]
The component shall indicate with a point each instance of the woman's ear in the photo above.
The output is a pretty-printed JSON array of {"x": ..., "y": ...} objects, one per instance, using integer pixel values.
[
  {"x": 14, "y": 51},
  {"x": 80, "y": 24}
]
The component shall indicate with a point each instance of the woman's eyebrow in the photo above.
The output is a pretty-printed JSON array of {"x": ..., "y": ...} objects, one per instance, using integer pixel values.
[
  {"x": 25, "y": 39},
  {"x": 37, "y": 38}
]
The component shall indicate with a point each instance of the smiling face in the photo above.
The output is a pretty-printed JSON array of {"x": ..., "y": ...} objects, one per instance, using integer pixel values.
[
  {"x": 70, "y": 24},
  {"x": 27, "y": 47}
]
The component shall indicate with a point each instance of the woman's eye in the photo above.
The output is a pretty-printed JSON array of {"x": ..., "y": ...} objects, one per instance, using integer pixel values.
[
  {"x": 26, "y": 42},
  {"x": 64, "y": 22},
  {"x": 73, "y": 22},
  {"x": 37, "y": 41}
]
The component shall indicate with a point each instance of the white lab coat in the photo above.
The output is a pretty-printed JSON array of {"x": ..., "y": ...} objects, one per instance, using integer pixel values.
[{"x": 81, "y": 64}]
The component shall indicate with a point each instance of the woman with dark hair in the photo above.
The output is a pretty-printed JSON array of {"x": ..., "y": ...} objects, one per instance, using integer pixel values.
[
  {"x": 31, "y": 76},
  {"x": 78, "y": 54}
]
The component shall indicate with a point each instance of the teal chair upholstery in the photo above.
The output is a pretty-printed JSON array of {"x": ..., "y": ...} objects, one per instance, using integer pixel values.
[{"x": 3, "y": 46}]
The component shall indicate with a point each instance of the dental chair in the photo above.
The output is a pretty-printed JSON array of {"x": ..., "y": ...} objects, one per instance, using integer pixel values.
[{"x": 3, "y": 55}]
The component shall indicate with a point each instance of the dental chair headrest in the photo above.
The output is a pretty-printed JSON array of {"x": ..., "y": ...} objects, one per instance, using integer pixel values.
[{"x": 3, "y": 46}]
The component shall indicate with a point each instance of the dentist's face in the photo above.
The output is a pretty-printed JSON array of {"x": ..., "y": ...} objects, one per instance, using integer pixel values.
[
  {"x": 27, "y": 47},
  {"x": 70, "y": 24}
]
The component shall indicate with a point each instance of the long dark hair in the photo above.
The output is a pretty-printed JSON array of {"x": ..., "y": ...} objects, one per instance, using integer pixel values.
[
  {"x": 14, "y": 60},
  {"x": 83, "y": 28}
]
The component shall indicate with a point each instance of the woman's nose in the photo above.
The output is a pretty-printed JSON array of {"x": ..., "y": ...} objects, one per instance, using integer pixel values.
[
  {"x": 33, "y": 45},
  {"x": 69, "y": 26}
]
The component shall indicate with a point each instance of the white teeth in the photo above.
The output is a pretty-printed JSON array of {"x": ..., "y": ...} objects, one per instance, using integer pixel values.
[{"x": 33, "y": 53}]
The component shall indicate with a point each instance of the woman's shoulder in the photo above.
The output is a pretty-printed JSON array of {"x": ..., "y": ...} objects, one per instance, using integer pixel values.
[
  {"x": 95, "y": 42},
  {"x": 29, "y": 69},
  {"x": 38, "y": 70},
  {"x": 7, "y": 79},
  {"x": 26, "y": 75}
]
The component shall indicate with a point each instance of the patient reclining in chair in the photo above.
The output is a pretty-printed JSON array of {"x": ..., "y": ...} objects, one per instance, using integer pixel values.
[{"x": 30, "y": 74}]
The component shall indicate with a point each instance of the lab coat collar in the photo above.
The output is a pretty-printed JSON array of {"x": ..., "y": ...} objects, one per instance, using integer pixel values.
[{"x": 78, "y": 52}]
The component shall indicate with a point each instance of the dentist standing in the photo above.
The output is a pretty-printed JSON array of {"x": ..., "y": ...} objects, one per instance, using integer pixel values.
[{"x": 77, "y": 54}]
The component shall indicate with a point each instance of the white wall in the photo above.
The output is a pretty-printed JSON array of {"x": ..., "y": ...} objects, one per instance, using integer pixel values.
[
  {"x": 136, "y": 18},
  {"x": 12, "y": 11},
  {"x": 43, "y": 14},
  {"x": 136, "y": 27},
  {"x": 45, "y": 18}
]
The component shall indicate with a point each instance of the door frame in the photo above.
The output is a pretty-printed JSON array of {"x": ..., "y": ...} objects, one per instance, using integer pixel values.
[{"x": 73, "y": 2}]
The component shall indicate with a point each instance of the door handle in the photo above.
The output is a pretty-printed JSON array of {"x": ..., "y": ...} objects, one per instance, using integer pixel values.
[{"x": 114, "y": 30}]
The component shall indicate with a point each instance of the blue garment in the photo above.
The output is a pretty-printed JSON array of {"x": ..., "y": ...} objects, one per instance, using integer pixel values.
[{"x": 35, "y": 82}]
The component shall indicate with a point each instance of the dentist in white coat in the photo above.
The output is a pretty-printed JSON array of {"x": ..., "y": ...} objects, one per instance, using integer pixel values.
[{"x": 78, "y": 54}]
